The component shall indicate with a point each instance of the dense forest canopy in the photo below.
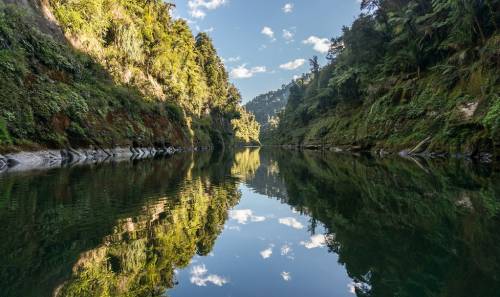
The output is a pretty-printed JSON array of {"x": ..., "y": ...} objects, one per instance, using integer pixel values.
[
  {"x": 404, "y": 71},
  {"x": 124, "y": 72}
]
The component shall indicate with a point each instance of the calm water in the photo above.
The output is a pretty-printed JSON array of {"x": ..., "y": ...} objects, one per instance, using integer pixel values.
[{"x": 252, "y": 223}]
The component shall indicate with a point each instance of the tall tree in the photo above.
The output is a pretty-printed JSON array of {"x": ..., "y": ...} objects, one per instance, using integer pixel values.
[{"x": 313, "y": 62}]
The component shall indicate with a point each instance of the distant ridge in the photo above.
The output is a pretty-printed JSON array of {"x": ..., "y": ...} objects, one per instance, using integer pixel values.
[{"x": 266, "y": 106}]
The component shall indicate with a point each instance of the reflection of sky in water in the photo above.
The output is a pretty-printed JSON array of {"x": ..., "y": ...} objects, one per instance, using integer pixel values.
[{"x": 265, "y": 249}]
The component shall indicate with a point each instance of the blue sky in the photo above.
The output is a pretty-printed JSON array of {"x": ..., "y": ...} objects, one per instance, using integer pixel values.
[{"x": 265, "y": 43}]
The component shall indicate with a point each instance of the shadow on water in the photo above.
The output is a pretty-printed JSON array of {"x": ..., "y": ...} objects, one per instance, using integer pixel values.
[{"x": 399, "y": 228}]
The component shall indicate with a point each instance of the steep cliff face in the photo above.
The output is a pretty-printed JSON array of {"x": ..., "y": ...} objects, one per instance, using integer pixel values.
[{"x": 109, "y": 73}]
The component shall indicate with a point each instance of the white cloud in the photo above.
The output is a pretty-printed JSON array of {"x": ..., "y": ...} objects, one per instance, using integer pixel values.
[
  {"x": 242, "y": 216},
  {"x": 197, "y": 14},
  {"x": 291, "y": 222},
  {"x": 242, "y": 71},
  {"x": 292, "y": 65},
  {"x": 200, "y": 278},
  {"x": 268, "y": 32},
  {"x": 286, "y": 276},
  {"x": 267, "y": 252},
  {"x": 316, "y": 241},
  {"x": 288, "y": 8},
  {"x": 321, "y": 45},
  {"x": 258, "y": 69},
  {"x": 288, "y": 35},
  {"x": 233, "y": 59},
  {"x": 197, "y": 7}
]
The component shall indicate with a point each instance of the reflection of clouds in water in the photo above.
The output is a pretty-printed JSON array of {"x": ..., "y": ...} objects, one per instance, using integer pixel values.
[
  {"x": 291, "y": 222},
  {"x": 200, "y": 278},
  {"x": 286, "y": 251},
  {"x": 286, "y": 276},
  {"x": 242, "y": 216},
  {"x": 316, "y": 241},
  {"x": 267, "y": 252},
  {"x": 352, "y": 286}
]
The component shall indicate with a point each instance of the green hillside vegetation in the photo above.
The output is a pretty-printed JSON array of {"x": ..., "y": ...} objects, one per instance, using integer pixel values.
[
  {"x": 266, "y": 107},
  {"x": 406, "y": 72},
  {"x": 126, "y": 73}
]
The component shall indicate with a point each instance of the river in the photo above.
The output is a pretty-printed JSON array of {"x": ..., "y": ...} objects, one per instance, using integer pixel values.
[{"x": 256, "y": 222}]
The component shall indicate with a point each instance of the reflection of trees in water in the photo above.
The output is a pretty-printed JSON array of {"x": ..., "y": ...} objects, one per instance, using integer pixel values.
[
  {"x": 399, "y": 230},
  {"x": 141, "y": 222},
  {"x": 246, "y": 162},
  {"x": 142, "y": 261},
  {"x": 267, "y": 180},
  {"x": 122, "y": 229}
]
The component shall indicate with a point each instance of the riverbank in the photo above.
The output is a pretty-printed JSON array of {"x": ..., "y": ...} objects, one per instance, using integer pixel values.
[
  {"x": 47, "y": 159},
  {"x": 415, "y": 152}
]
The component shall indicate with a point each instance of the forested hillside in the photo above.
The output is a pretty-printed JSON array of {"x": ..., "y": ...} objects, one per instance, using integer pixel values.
[
  {"x": 266, "y": 107},
  {"x": 110, "y": 73},
  {"x": 407, "y": 75}
]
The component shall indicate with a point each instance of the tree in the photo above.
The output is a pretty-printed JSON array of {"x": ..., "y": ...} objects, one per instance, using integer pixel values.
[
  {"x": 370, "y": 5},
  {"x": 336, "y": 47},
  {"x": 313, "y": 62},
  {"x": 214, "y": 70},
  {"x": 296, "y": 95}
]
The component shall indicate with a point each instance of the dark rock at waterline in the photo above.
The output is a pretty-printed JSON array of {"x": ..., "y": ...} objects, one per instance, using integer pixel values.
[
  {"x": 3, "y": 163},
  {"x": 56, "y": 158}
]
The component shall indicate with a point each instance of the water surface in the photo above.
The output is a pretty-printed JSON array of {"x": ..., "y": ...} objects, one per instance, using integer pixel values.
[{"x": 252, "y": 223}]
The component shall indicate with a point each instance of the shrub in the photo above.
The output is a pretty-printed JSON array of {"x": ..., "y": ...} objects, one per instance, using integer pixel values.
[
  {"x": 492, "y": 118},
  {"x": 175, "y": 112},
  {"x": 4, "y": 133}
]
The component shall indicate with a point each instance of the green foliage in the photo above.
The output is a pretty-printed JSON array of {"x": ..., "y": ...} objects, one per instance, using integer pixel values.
[
  {"x": 400, "y": 74},
  {"x": 492, "y": 118},
  {"x": 139, "y": 76},
  {"x": 175, "y": 112},
  {"x": 266, "y": 107},
  {"x": 217, "y": 79},
  {"x": 4, "y": 133},
  {"x": 246, "y": 128}
]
